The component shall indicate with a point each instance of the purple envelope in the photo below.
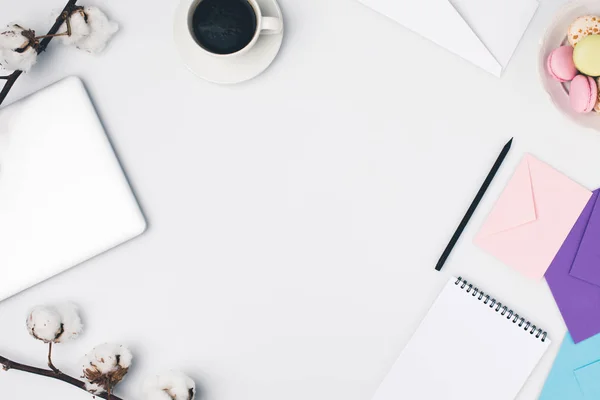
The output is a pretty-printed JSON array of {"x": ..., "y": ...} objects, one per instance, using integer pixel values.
[
  {"x": 587, "y": 262},
  {"x": 577, "y": 299}
]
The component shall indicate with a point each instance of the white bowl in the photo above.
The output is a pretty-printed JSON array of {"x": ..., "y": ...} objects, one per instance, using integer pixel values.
[{"x": 555, "y": 36}]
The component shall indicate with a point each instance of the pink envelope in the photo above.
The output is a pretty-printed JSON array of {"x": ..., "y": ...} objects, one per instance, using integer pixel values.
[{"x": 532, "y": 218}]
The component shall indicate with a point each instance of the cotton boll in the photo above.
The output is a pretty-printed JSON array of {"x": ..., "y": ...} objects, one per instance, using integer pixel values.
[
  {"x": 79, "y": 28},
  {"x": 54, "y": 324},
  {"x": 44, "y": 323},
  {"x": 16, "y": 52},
  {"x": 101, "y": 30},
  {"x": 109, "y": 357},
  {"x": 105, "y": 366},
  {"x": 171, "y": 385},
  {"x": 152, "y": 390},
  {"x": 178, "y": 385},
  {"x": 71, "y": 321}
]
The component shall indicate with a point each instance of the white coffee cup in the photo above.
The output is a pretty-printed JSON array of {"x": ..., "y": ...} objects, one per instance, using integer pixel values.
[{"x": 264, "y": 26}]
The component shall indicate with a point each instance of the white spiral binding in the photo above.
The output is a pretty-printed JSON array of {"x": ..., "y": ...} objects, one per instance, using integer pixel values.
[{"x": 480, "y": 295}]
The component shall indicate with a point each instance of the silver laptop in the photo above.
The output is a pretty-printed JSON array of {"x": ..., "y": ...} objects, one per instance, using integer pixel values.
[{"x": 63, "y": 195}]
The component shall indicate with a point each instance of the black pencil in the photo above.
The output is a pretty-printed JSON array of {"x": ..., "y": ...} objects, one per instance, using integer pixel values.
[{"x": 474, "y": 204}]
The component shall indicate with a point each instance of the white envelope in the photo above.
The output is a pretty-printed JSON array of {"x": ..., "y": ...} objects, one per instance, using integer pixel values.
[{"x": 484, "y": 32}]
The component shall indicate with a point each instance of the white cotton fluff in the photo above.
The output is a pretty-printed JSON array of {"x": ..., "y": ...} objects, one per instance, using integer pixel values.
[
  {"x": 54, "y": 324},
  {"x": 10, "y": 60},
  {"x": 11, "y": 42},
  {"x": 171, "y": 385},
  {"x": 105, "y": 364},
  {"x": 71, "y": 320},
  {"x": 12, "y": 37},
  {"x": 94, "y": 388},
  {"x": 44, "y": 323},
  {"x": 79, "y": 28},
  {"x": 100, "y": 31}
]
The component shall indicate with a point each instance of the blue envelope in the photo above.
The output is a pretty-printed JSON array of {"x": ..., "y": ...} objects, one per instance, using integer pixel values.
[{"x": 575, "y": 374}]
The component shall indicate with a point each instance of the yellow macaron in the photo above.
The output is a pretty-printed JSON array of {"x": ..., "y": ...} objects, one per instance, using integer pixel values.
[{"x": 586, "y": 55}]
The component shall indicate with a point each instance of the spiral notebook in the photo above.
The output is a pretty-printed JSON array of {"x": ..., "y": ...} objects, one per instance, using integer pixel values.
[{"x": 466, "y": 341}]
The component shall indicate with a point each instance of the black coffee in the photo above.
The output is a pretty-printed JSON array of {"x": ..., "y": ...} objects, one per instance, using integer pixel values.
[{"x": 224, "y": 26}]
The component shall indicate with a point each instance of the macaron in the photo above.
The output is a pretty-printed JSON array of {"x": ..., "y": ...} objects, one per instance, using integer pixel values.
[
  {"x": 582, "y": 27},
  {"x": 586, "y": 55},
  {"x": 583, "y": 94},
  {"x": 597, "y": 106},
  {"x": 560, "y": 64}
]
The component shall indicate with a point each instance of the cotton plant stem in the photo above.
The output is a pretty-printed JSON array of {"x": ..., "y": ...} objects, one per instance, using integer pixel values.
[
  {"x": 7, "y": 365},
  {"x": 53, "y": 36},
  {"x": 67, "y": 33},
  {"x": 9, "y": 84},
  {"x": 50, "y": 364},
  {"x": 12, "y": 78}
]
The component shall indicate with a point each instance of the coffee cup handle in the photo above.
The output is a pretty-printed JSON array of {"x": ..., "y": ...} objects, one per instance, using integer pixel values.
[{"x": 270, "y": 26}]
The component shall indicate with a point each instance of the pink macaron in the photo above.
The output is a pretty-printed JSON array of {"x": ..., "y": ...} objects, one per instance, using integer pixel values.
[
  {"x": 583, "y": 93},
  {"x": 560, "y": 64}
]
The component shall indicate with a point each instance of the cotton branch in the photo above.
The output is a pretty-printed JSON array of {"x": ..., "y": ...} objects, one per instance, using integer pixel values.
[
  {"x": 7, "y": 365},
  {"x": 12, "y": 78}
]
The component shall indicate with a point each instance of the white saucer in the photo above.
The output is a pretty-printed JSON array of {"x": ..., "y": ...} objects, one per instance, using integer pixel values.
[{"x": 227, "y": 70}]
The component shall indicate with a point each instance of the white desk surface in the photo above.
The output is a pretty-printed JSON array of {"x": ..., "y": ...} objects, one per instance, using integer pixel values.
[{"x": 294, "y": 220}]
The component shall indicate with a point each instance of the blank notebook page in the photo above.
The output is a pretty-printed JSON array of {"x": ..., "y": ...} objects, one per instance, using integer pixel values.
[{"x": 464, "y": 343}]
